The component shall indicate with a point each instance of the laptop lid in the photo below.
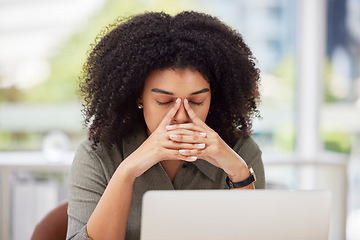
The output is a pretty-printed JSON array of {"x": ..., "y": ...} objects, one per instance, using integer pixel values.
[{"x": 235, "y": 214}]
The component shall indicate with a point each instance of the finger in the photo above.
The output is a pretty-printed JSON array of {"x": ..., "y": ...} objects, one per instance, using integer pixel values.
[
  {"x": 194, "y": 118},
  {"x": 175, "y": 155},
  {"x": 189, "y": 146},
  {"x": 189, "y": 158},
  {"x": 167, "y": 119},
  {"x": 200, "y": 154},
  {"x": 185, "y": 128},
  {"x": 182, "y": 131},
  {"x": 186, "y": 152},
  {"x": 194, "y": 138}
]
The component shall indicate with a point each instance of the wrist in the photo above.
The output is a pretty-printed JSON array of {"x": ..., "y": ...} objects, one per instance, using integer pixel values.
[
  {"x": 240, "y": 174},
  {"x": 127, "y": 171},
  {"x": 245, "y": 183}
]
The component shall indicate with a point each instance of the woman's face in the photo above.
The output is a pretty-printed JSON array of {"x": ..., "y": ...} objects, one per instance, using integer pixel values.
[{"x": 163, "y": 87}]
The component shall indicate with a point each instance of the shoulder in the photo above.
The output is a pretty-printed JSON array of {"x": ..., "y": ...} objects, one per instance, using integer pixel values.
[
  {"x": 100, "y": 159},
  {"x": 247, "y": 146},
  {"x": 117, "y": 152},
  {"x": 100, "y": 152}
]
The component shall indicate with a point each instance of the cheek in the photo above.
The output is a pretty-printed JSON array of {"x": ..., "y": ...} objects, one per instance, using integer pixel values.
[
  {"x": 205, "y": 110},
  {"x": 153, "y": 116},
  {"x": 202, "y": 111}
]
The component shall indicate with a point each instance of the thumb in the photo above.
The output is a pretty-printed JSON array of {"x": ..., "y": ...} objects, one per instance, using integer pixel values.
[{"x": 167, "y": 119}]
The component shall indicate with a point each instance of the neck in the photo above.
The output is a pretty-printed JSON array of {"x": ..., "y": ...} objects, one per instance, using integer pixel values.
[{"x": 171, "y": 167}]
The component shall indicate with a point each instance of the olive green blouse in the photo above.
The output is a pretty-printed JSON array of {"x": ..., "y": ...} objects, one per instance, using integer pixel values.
[{"x": 92, "y": 169}]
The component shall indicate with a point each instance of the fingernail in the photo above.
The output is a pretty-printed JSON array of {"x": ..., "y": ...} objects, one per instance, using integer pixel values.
[
  {"x": 182, "y": 151},
  {"x": 201, "y": 145},
  {"x": 193, "y": 158},
  {"x": 202, "y": 134},
  {"x": 170, "y": 127},
  {"x": 173, "y": 136},
  {"x": 178, "y": 100},
  {"x": 185, "y": 100}
]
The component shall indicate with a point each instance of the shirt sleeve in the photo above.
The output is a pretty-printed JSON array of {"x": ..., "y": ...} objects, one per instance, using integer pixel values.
[
  {"x": 87, "y": 182},
  {"x": 251, "y": 153}
]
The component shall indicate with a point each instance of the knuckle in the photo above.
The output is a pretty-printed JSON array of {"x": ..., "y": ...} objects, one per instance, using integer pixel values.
[
  {"x": 186, "y": 146},
  {"x": 217, "y": 149},
  {"x": 157, "y": 150},
  {"x": 186, "y": 152},
  {"x": 157, "y": 143}
]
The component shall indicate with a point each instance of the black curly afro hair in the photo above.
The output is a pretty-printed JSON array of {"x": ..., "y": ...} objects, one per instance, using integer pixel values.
[{"x": 130, "y": 49}]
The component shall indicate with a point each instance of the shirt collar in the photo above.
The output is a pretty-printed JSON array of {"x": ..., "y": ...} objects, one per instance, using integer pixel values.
[
  {"x": 131, "y": 143},
  {"x": 206, "y": 168}
]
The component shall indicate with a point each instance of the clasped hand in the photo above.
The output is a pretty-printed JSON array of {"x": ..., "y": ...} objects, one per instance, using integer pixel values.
[{"x": 187, "y": 142}]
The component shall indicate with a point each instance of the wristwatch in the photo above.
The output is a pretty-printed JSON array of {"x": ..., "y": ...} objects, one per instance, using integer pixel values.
[{"x": 250, "y": 179}]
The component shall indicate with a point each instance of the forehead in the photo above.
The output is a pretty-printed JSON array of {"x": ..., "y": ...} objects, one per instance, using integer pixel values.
[{"x": 176, "y": 80}]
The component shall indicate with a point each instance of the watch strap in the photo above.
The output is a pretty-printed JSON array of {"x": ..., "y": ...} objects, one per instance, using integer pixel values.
[{"x": 243, "y": 183}]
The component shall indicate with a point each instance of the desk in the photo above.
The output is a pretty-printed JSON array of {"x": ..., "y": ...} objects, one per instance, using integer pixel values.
[
  {"x": 11, "y": 162},
  {"x": 325, "y": 168}
]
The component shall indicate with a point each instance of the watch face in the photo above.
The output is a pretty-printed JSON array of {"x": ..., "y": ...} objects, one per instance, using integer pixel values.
[
  {"x": 229, "y": 183},
  {"x": 252, "y": 173}
]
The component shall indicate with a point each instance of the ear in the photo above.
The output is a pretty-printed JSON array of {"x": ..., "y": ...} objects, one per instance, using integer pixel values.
[{"x": 139, "y": 100}]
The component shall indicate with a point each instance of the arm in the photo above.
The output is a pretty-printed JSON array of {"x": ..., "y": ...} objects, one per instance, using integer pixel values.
[
  {"x": 109, "y": 218},
  {"x": 215, "y": 150},
  {"x": 89, "y": 189},
  {"x": 108, "y": 221},
  {"x": 250, "y": 152}
]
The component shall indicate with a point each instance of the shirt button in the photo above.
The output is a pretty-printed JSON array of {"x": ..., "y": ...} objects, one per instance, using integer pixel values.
[{"x": 184, "y": 165}]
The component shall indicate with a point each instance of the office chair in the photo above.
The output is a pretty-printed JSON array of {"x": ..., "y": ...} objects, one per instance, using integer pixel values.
[{"x": 53, "y": 226}]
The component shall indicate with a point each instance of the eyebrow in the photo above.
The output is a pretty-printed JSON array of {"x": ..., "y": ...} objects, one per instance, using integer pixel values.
[{"x": 157, "y": 90}]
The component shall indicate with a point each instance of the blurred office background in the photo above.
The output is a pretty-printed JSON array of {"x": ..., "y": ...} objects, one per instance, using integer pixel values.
[{"x": 309, "y": 55}]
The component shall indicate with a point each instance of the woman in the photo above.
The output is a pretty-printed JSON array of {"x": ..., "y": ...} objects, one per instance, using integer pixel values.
[{"x": 168, "y": 102}]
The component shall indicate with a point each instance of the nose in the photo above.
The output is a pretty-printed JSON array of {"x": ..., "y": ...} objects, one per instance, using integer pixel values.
[{"x": 181, "y": 115}]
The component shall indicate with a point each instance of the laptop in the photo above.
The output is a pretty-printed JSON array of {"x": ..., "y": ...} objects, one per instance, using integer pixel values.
[{"x": 235, "y": 214}]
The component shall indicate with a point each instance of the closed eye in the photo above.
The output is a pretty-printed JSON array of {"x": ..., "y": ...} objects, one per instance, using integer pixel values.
[
  {"x": 164, "y": 103},
  {"x": 197, "y": 103},
  {"x": 191, "y": 102}
]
